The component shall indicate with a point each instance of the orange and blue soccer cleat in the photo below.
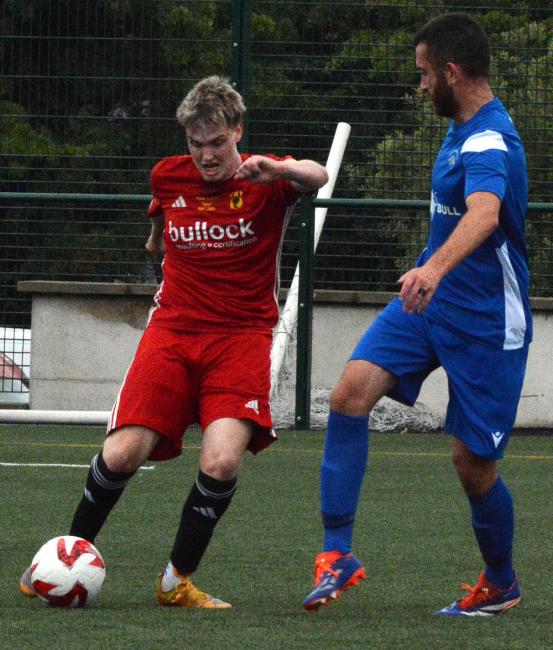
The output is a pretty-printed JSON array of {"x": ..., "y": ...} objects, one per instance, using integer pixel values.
[
  {"x": 25, "y": 584},
  {"x": 334, "y": 572},
  {"x": 484, "y": 599},
  {"x": 185, "y": 594}
]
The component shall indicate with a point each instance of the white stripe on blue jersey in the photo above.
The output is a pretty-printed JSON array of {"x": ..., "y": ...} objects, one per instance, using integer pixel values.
[
  {"x": 484, "y": 141},
  {"x": 515, "y": 319}
]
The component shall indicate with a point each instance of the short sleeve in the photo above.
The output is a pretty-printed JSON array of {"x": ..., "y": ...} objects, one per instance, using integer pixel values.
[
  {"x": 485, "y": 161},
  {"x": 154, "y": 209}
]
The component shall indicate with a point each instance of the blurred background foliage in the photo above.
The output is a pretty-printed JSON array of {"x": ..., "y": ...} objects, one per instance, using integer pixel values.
[{"x": 88, "y": 93}]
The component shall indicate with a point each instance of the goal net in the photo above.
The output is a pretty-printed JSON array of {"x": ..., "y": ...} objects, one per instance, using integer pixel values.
[{"x": 387, "y": 415}]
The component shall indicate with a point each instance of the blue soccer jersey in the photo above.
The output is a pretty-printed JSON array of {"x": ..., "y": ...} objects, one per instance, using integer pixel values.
[{"x": 486, "y": 295}]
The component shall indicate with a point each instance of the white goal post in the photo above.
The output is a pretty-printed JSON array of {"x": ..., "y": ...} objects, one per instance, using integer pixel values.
[
  {"x": 287, "y": 324},
  {"x": 22, "y": 416}
]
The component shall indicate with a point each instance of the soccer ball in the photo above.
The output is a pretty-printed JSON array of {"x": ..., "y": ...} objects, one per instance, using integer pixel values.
[{"x": 68, "y": 571}]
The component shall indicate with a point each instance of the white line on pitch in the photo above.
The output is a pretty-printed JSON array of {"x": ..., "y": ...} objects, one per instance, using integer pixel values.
[{"x": 56, "y": 465}]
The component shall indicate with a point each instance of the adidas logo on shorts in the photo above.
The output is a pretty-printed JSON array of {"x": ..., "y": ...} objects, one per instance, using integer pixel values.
[{"x": 252, "y": 404}]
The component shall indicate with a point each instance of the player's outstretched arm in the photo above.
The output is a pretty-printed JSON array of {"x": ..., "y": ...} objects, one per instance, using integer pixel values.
[
  {"x": 477, "y": 224},
  {"x": 306, "y": 175}
]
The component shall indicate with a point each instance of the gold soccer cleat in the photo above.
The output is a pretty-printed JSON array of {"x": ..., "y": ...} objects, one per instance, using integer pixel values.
[{"x": 185, "y": 594}]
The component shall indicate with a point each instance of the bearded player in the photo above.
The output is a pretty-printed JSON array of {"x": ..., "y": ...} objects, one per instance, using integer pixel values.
[
  {"x": 219, "y": 218},
  {"x": 464, "y": 307}
]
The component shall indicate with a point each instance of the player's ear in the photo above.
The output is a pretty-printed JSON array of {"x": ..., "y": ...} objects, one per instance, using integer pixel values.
[
  {"x": 238, "y": 131},
  {"x": 452, "y": 73}
]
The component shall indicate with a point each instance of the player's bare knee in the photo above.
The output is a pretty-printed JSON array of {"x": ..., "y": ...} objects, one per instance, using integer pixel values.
[
  {"x": 222, "y": 467},
  {"x": 348, "y": 399},
  {"x": 126, "y": 449},
  {"x": 121, "y": 459}
]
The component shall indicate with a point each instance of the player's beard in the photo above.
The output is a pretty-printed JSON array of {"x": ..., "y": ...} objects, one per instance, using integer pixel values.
[{"x": 443, "y": 98}]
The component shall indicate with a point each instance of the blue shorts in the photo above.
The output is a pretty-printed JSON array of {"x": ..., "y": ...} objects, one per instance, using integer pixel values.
[{"x": 484, "y": 383}]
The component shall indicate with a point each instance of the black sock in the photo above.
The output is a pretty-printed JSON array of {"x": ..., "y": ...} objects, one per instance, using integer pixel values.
[
  {"x": 102, "y": 491},
  {"x": 206, "y": 503}
]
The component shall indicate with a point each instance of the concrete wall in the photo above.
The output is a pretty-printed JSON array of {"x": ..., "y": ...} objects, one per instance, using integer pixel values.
[
  {"x": 536, "y": 404},
  {"x": 84, "y": 336}
]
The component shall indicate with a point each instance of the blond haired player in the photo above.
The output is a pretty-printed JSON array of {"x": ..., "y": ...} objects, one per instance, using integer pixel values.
[{"x": 219, "y": 218}]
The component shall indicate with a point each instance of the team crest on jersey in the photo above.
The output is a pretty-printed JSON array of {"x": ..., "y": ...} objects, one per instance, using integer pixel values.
[
  {"x": 236, "y": 200},
  {"x": 452, "y": 158}
]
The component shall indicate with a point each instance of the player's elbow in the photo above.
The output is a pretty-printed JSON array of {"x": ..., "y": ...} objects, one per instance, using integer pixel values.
[
  {"x": 317, "y": 179},
  {"x": 490, "y": 222}
]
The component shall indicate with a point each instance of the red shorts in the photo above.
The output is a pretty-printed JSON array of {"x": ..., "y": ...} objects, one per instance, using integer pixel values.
[{"x": 177, "y": 379}]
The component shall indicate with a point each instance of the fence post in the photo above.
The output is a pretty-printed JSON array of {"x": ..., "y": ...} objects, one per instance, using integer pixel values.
[
  {"x": 242, "y": 55},
  {"x": 305, "y": 314}
]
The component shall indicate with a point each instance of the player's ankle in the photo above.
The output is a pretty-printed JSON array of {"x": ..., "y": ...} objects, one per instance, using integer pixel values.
[{"x": 172, "y": 577}]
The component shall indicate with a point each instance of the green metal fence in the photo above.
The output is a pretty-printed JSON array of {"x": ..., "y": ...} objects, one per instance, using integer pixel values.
[
  {"x": 307, "y": 255},
  {"x": 88, "y": 92}
]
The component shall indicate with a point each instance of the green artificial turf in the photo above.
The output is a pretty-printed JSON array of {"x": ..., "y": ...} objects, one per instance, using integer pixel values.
[{"x": 412, "y": 533}]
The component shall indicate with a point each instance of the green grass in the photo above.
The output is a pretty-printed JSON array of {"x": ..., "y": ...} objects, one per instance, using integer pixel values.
[{"x": 413, "y": 534}]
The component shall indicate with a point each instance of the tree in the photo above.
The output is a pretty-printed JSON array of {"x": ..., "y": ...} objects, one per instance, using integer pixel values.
[{"x": 89, "y": 90}]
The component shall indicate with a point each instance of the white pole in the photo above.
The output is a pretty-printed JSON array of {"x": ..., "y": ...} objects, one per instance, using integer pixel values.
[
  {"x": 289, "y": 315},
  {"x": 21, "y": 416}
]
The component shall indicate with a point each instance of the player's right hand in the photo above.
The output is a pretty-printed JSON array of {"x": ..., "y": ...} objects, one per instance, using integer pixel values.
[
  {"x": 417, "y": 288},
  {"x": 259, "y": 169}
]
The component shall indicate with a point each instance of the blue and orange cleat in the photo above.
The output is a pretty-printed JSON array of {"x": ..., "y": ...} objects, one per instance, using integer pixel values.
[
  {"x": 484, "y": 599},
  {"x": 334, "y": 572}
]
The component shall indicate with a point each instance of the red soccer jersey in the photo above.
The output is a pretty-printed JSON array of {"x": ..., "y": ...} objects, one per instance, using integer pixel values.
[{"x": 223, "y": 244}]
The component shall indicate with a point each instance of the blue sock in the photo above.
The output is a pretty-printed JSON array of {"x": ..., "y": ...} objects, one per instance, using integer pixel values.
[
  {"x": 493, "y": 523},
  {"x": 342, "y": 471}
]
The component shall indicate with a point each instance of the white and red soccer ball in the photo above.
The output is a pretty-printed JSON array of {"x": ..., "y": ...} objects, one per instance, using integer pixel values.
[{"x": 68, "y": 571}]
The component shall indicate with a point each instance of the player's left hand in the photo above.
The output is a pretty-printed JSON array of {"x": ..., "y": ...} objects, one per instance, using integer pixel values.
[
  {"x": 259, "y": 169},
  {"x": 417, "y": 288}
]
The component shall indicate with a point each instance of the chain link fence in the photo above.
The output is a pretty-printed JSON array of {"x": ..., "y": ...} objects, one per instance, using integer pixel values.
[{"x": 88, "y": 92}]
